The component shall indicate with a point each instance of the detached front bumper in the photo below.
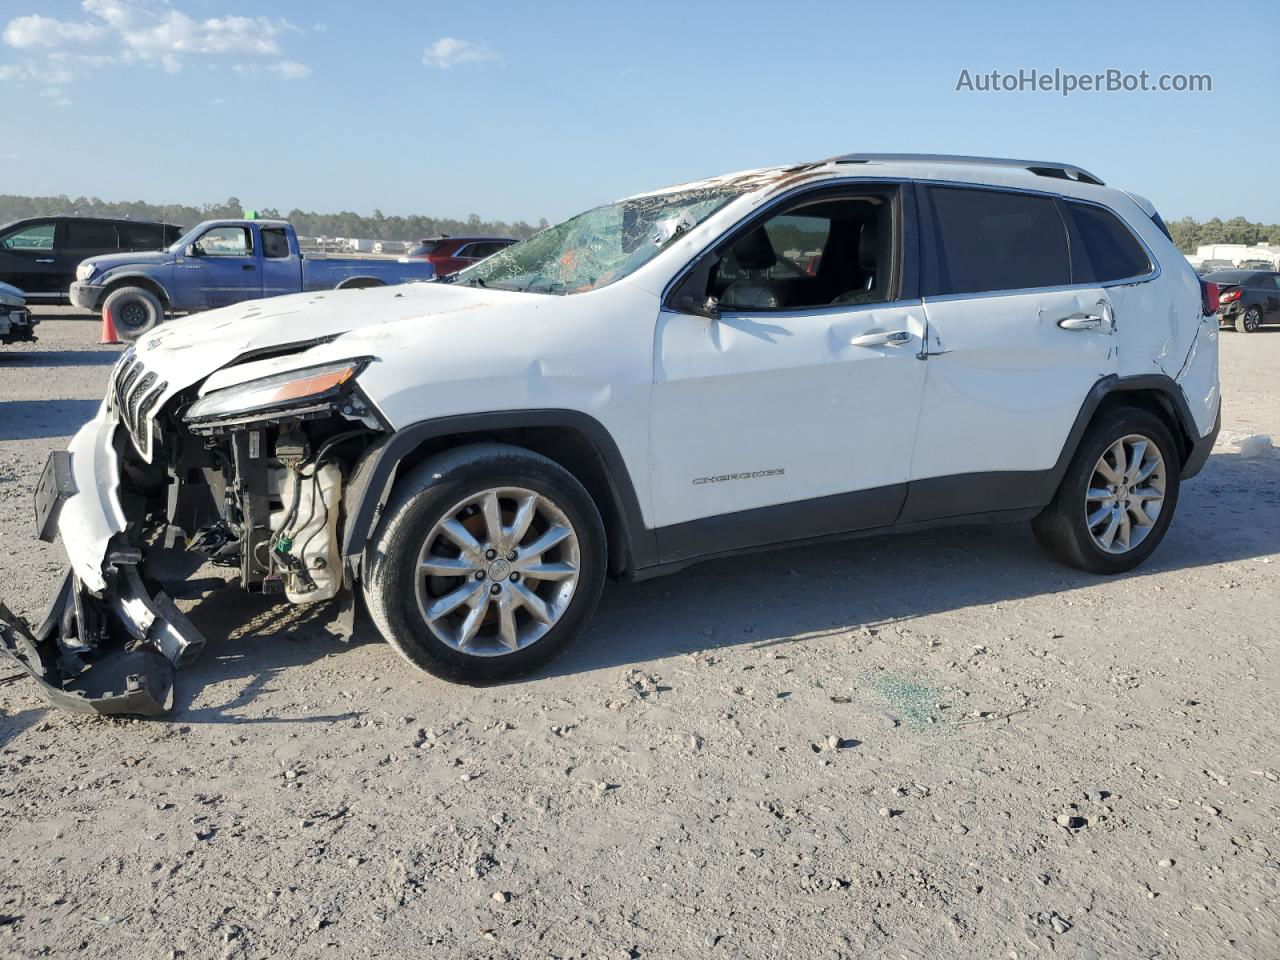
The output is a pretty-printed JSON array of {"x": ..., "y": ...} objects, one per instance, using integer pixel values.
[
  {"x": 16, "y": 324},
  {"x": 86, "y": 296},
  {"x": 107, "y": 644}
]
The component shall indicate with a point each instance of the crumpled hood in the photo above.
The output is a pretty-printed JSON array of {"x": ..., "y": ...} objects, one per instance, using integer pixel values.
[
  {"x": 11, "y": 295},
  {"x": 182, "y": 352},
  {"x": 109, "y": 261}
]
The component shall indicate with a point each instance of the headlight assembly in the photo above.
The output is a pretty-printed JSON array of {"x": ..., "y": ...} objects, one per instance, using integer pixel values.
[
  {"x": 85, "y": 271},
  {"x": 306, "y": 388}
]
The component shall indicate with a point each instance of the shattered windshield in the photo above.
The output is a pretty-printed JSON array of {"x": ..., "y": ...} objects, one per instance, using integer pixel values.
[{"x": 597, "y": 247}]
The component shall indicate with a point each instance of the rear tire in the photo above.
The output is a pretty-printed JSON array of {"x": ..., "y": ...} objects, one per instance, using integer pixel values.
[
  {"x": 451, "y": 575},
  {"x": 133, "y": 310},
  {"x": 1118, "y": 495},
  {"x": 1249, "y": 321}
]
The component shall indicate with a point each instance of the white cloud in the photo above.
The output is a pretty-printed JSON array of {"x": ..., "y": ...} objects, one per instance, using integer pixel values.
[
  {"x": 450, "y": 51},
  {"x": 288, "y": 69},
  {"x": 150, "y": 32},
  {"x": 38, "y": 31}
]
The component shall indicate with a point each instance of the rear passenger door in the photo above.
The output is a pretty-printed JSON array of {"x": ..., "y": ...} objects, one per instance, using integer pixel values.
[
  {"x": 1014, "y": 345},
  {"x": 82, "y": 239}
]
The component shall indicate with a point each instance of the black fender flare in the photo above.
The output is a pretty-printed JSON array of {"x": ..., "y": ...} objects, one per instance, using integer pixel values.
[
  {"x": 1163, "y": 386},
  {"x": 375, "y": 474}
]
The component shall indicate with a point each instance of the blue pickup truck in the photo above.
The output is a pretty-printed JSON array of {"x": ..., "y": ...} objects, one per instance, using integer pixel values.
[{"x": 217, "y": 263}]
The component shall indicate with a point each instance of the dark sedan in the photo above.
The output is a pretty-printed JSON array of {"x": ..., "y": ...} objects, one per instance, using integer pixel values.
[
  {"x": 39, "y": 255},
  {"x": 1247, "y": 298}
]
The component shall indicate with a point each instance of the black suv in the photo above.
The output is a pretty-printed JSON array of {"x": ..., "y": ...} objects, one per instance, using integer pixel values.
[
  {"x": 1247, "y": 298},
  {"x": 39, "y": 255}
]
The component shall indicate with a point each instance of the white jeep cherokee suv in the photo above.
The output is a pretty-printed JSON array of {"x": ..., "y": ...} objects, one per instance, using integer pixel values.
[{"x": 868, "y": 343}]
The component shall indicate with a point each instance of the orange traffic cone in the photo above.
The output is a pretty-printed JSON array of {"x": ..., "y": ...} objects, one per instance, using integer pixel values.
[{"x": 109, "y": 334}]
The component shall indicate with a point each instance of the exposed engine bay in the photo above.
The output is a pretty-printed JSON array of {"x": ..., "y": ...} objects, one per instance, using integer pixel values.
[{"x": 250, "y": 477}]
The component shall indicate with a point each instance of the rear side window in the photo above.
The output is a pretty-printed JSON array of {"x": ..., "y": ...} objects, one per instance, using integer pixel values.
[
  {"x": 1103, "y": 248},
  {"x": 141, "y": 236},
  {"x": 991, "y": 240},
  {"x": 275, "y": 243},
  {"x": 91, "y": 235}
]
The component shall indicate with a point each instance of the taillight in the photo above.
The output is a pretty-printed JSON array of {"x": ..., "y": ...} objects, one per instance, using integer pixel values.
[
  {"x": 1230, "y": 296},
  {"x": 1209, "y": 297}
]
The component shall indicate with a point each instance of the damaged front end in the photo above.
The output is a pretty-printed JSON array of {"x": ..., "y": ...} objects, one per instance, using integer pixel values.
[{"x": 244, "y": 471}]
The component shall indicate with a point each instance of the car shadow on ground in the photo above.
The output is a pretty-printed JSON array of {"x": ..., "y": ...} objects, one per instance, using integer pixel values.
[
  {"x": 782, "y": 596},
  {"x": 14, "y": 724},
  {"x": 37, "y": 419},
  {"x": 59, "y": 358},
  {"x": 254, "y": 638}
]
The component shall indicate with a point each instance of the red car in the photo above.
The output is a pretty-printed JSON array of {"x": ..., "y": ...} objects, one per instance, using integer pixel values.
[{"x": 451, "y": 254}]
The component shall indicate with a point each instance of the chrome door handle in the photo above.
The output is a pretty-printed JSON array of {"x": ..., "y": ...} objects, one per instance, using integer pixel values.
[
  {"x": 893, "y": 338},
  {"x": 1081, "y": 321},
  {"x": 44, "y": 259}
]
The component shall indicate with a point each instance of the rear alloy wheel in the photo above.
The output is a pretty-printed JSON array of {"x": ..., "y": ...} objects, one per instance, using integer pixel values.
[
  {"x": 490, "y": 560},
  {"x": 1117, "y": 497},
  {"x": 1250, "y": 320}
]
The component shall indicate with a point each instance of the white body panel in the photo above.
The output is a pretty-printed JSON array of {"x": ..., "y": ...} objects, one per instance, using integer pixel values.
[
  {"x": 1005, "y": 382},
  {"x": 784, "y": 394}
]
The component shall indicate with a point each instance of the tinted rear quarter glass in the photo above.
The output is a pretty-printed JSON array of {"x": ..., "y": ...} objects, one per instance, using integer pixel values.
[
  {"x": 91, "y": 235},
  {"x": 990, "y": 240},
  {"x": 1103, "y": 248},
  {"x": 141, "y": 236}
]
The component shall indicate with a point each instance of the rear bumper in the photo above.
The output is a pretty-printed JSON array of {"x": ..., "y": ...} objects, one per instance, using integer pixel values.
[
  {"x": 1201, "y": 449},
  {"x": 86, "y": 296}
]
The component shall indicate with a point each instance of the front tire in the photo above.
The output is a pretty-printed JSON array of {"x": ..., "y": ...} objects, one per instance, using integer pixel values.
[
  {"x": 1250, "y": 320},
  {"x": 1118, "y": 495},
  {"x": 133, "y": 310},
  {"x": 489, "y": 562}
]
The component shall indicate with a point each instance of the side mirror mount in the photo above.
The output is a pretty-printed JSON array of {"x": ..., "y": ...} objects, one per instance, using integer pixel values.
[
  {"x": 708, "y": 307},
  {"x": 691, "y": 296}
]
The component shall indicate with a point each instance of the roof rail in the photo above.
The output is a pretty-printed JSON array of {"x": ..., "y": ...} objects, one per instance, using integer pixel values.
[{"x": 1041, "y": 168}]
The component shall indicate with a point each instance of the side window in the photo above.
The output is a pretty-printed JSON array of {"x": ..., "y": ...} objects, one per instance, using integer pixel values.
[
  {"x": 1102, "y": 248},
  {"x": 467, "y": 252},
  {"x": 141, "y": 236},
  {"x": 91, "y": 235},
  {"x": 33, "y": 237},
  {"x": 1275, "y": 280},
  {"x": 818, "y": 252},
  {"x": 225, "y": 242},
  {"x": 275, "y": 243},
  {"x": 990, "y": 240}
]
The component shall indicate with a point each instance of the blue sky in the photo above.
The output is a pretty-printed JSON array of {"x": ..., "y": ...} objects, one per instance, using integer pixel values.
[{"x": 520, "y": 110}]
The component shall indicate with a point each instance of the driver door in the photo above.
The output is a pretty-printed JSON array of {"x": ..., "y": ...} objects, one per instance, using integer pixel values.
[
  {"x": 226, "y": 267},
  {"x": 793, "y": 413}
]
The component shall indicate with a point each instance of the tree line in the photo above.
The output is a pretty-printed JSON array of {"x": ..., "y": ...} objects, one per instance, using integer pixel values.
[
  {"x": 344, "y": 224},
  {"x": 1188, "y": 233}
]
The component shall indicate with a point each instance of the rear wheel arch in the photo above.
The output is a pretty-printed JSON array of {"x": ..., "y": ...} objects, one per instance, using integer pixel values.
[
  {"x": 1157, "y": 394},
  {"x": 573, "y": 440}
]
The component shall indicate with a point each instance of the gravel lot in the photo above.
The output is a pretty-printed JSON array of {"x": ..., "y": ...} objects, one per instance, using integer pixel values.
[{"x": 939, "y": 745}]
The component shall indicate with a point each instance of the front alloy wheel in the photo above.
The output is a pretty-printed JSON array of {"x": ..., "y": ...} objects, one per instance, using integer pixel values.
[
  {"x": 489, "y": 560},
  {"x": 498, "y": 570}
]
